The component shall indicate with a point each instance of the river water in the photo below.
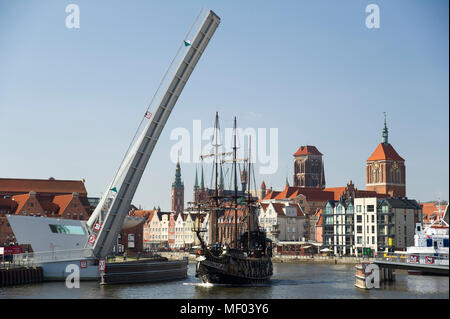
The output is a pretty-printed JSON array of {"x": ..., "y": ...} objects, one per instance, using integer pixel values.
[{"x": 290, "y": 281}]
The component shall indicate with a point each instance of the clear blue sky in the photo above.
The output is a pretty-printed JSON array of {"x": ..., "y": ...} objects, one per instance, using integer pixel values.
[{"x": 71, "y": 99}]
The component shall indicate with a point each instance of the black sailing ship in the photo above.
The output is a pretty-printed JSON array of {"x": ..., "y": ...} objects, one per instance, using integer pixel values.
[{"x": 246, "y": 259}]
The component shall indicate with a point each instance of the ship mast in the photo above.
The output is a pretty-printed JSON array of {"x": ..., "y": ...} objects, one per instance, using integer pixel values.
[
  {"x": 249, "y": 197},
  {"x": 235, "y": 187},
  {"x": 216, "y": 159}
]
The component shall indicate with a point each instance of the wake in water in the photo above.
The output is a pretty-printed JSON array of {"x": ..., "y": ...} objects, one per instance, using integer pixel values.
[{"x": 273, "y": 282}]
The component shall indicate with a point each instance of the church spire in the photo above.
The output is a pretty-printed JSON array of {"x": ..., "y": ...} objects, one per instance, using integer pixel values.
[
  {"x": 202, "y": 183},
  {"x": 196, "y": 179},
  {"x": 178, "y": 182},
  {"x": 384, "y": 139}
]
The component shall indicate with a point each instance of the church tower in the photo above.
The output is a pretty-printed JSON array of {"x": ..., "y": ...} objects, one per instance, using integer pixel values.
[
  {"x": 385, "y": 169},
  {"x": 178, "y": 192},
  {"x": 308, "y": 168}
]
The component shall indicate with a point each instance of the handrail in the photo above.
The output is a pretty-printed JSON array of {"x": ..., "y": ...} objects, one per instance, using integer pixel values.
[{"x": 56, "y": 255}]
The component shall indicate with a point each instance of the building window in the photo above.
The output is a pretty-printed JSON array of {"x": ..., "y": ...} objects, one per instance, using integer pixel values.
[
  {"x": 370, "y": 208},
  {"x": 359, "y": 240},
  {"x": 359, "y": 229},
  {"x": 358, "y": 208},
  {"x": 359, "y": 218}
]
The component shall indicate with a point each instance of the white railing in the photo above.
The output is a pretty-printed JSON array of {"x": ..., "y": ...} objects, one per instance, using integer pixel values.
[
  {"x": 49, "y": 256},
  {"x": 414, "y": 259}
]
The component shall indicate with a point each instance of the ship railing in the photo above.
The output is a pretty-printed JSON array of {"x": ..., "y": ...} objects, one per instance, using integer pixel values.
[
  {"x": 32, "y": 258},
  {"x": 409, "y": 258}
]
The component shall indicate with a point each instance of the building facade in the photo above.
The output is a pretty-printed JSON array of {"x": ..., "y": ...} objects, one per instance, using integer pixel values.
[
  {"x": 397, "y": 218},
  {"x": 282, "y": 221},
  {"x": 337, "y": 221},
  {"x": 366, "y": 225},
  {"x": 355, "y": 226}
]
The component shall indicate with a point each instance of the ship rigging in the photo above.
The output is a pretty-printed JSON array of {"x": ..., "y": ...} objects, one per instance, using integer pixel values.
[{"x": 244, "y": 258}]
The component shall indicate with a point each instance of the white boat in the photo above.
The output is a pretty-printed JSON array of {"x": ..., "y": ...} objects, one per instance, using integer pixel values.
[{"x": 431, "y": 244}]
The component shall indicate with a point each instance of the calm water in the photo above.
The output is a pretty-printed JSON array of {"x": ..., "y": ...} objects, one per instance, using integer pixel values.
[{"x": 290, "y": 281}]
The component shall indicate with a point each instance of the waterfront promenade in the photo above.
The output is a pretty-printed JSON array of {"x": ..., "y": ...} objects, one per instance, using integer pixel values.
[{"x": 285, "y": 258}]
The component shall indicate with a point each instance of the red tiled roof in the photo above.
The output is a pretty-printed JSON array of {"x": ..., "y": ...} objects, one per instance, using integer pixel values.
[
  {"x": 385, "y": 152},
  {"x": 62, "y": 201},
  {"x": 429, "y": 209},
  {"x": 307, "y": 150},
  {"x": 264, "y": 206},
  {"x": 319, "y": 221},
  {"x": 315, "y": 194},
  {"x": 311, "y": 194},
  {"x": 365, "y": 193},
  {"x": 271, "y": 195},
  {"x": 18, "y": 185},
  {"x": 299, "y": 211},
  {"x": 338, "y": 191},
  {"x": 21, "y": 200},
  {"x": 278, "y": 208}
]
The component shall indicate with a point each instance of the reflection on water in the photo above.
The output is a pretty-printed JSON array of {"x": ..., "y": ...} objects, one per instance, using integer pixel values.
[{"x": 290, "y": 281}]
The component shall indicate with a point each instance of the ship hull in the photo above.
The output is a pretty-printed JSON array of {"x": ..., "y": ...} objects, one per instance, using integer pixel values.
[{"x": 210, "y": 272}]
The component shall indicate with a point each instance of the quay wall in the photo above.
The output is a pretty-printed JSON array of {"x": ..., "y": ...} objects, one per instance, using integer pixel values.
[
  {"x": 284, "y": 259},
  {"x": 20, "y": 276}
]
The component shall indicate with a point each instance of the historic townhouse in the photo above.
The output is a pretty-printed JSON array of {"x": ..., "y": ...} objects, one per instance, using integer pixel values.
[
  {"x": 179, "y": 231},
  {"x": 282, "y": 221}
]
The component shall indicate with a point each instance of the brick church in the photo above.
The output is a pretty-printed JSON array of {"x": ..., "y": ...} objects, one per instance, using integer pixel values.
[{"x": 385, "y": 169}]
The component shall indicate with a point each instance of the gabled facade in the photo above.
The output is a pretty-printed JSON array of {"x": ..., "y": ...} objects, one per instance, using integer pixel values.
[
  {"x": 188, "y": 233},
  {"x": 179, "y": 231}
]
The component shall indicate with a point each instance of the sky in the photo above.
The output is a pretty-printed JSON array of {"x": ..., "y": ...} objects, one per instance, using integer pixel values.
[{"x": 72, "y": 98}]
